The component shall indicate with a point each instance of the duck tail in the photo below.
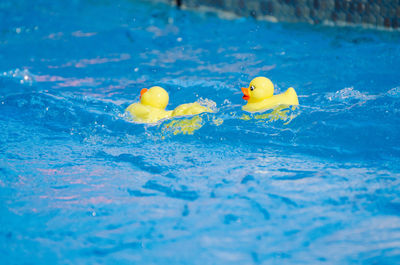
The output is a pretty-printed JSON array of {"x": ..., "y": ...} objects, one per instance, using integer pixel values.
[{"x": 291, "y": 96}]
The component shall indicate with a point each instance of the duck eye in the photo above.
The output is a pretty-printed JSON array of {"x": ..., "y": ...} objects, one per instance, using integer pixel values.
[{"x": 252, "y": 88}]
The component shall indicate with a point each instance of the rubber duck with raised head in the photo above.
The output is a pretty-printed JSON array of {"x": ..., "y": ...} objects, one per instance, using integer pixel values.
[
  {"x": 153, "y": 102},
  {"x": 260, "y": 96}
]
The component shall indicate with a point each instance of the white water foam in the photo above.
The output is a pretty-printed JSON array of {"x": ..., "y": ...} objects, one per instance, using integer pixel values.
[
  {"x": 21, "y": 76},
  {"x": 347, "y": 94}
]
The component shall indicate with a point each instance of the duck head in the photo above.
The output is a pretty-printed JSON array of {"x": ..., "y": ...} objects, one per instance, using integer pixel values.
[
  {"x": 259, "y": 89},
  {"x": 155, "y": 97}
]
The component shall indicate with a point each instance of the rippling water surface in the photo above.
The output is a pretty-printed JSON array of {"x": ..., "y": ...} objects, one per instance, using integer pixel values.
[{"x": 80, "y": 184}]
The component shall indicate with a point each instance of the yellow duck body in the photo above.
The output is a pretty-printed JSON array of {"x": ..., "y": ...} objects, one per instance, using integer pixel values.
[
  {"x": 147, "y": 114},
  {"x": 189, "y": 109},
  {"x": 153, "y": 102},
  {"x": 260, "y": 96}
]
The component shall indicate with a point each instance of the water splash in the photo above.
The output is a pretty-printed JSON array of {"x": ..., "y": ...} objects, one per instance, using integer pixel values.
[
  {"x": 347, "y": 94},
  {"x": 394, "y": 92},
  {"x": 208, "y": 103},
  {"x": 22, "y": 76}
]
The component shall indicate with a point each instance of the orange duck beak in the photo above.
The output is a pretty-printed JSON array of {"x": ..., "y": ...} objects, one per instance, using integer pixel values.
[
  {"x": 144, "y": 90},
  {"x": 246, "y": 93}
]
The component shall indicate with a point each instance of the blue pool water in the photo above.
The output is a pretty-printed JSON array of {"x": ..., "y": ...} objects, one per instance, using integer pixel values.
[{"x": 81, "y": 184}]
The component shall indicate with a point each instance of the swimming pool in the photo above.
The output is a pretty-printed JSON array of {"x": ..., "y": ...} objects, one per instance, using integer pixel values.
[{"x": 81, "y": 184}]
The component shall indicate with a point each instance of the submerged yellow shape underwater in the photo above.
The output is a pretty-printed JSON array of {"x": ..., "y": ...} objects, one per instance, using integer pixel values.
[
  {"x": 153, "y": 102},
  {"x": 260, "y": 96},
  {"x": 185, "y": 126}
]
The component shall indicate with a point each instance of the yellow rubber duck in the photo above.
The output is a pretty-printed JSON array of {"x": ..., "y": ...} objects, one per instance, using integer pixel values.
[
  {"x": 260, "y": 96},
  {"x": 153, "y": 102}
]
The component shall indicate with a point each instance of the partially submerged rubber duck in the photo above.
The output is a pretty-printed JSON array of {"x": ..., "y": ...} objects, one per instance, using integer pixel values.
[
  {"x": 153, "y": 102},
  {"x": 260, "y": 96}
]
